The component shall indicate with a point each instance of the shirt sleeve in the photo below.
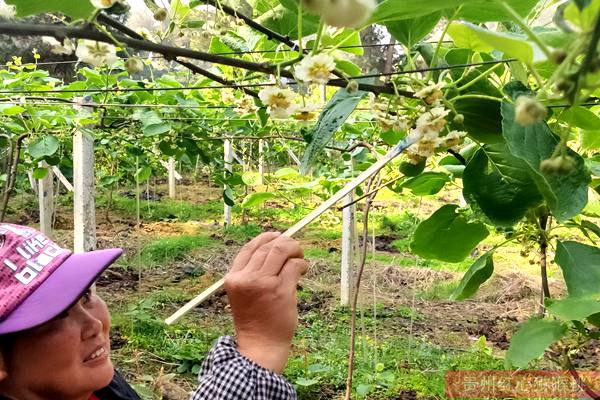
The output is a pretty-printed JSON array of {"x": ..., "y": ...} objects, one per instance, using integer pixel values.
[{"x": 228, "y": 375}]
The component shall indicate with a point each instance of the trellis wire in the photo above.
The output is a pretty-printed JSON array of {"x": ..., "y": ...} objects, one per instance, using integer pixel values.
[{"x": 253, "y": 85}]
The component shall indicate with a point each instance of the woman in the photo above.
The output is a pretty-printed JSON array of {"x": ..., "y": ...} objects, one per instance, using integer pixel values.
[{"x": 54, "y": 330}]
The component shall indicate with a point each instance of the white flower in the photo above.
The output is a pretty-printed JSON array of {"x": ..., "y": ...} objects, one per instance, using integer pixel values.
[
  {"x": 245, "y": 106},
  {"x": 529, "y": 111},
  {"x": 433, "y": 120},
  {"x": 308, "y": 112},
  {"x": 67, "y": 47},
  {"x": 431, "y": 94},
  {"x": 315, "y": 69},
  {"x": 103, "y": 3},
  {"x": 343, "y": 13},
  {"x": 280, "y": 102},
  {"x": 96, "y": 53},
  {"x": 7, "y": 11},
  {"x": 453, "y": 139}
]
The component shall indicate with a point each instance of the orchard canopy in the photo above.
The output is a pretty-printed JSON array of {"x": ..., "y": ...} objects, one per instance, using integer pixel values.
[{"x": 498, "y": 97}]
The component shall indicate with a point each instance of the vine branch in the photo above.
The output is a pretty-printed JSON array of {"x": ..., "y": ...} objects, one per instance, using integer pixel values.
[
  {"x": 170, "y": 52},
  {"x": 106, "y": 20}
]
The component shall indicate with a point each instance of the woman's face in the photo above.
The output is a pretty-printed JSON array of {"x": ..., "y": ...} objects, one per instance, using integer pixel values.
[{"x": 66, "y": 358}]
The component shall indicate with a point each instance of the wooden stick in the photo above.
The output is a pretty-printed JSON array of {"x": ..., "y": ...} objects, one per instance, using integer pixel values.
[{"x": 350, "y": 186}]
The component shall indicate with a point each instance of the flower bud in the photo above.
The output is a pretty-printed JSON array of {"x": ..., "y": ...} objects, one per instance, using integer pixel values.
[
  {"x": 558, "y": 56},
  {"x": 352, "y": 86},
  {"x": 459, "y": 119},
  {"x": 134, "y": 65},
  {"x": 561, "y": 165},
  {"x": 161, "y": 14},
  {"x": 529, "y": 111}
]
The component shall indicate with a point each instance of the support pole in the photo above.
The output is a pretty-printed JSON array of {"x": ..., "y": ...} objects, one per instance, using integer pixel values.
[
  {"x": 228, "y": 154},
  {"x": 171, "y": 169},
  {"x": 84, "y": 208},
  {"x": 32, "y": 182},
  {"x": 261, "y": 161},
  {"x": 348, "y": 247},
  {"x": 46, "y": 200}
]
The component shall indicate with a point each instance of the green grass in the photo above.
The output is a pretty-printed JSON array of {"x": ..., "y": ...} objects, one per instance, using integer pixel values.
[
  {"x": 386, "y": 360},
  {"x": 438, "y": 291},
  {"x": 165, "y": 209},
  {"x": 241, "y": 233},
  {"x": 171, "y": 249}
]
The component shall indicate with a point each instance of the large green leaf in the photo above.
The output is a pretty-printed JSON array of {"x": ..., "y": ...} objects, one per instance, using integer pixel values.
[
  {"x": 581, "y": 118},
  {"x": 486, "y": 11},
  {"x": 447, "y": 235},
  {"x": 256, "y": 199},
  {"x": 463, "y": 36},
  {"x": 499, "y": 184},
  {"x": 565, "y": 195},
  {"x": 427, "y": 183},
  {"x": 575, "y": 308},
  {"x": 532, "y": 339},
  {"x": 43, "y": 147},
  {"x": 410, "y": 31},
  {"x": 580, "y": 266},
  {"x": 508, "y": 43},
  {"x": 285, "y": 21},
  {"x": 471, "y": 10},
  {"x": 332, "y": 117},
  {"x": 74, "y": 9},
  {"x": 478, "y": 273},
  {"x": 482, "y": 119}
]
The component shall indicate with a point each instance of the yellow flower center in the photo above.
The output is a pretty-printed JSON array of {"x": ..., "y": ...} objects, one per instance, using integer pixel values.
[{"x": 319, "y": 71}]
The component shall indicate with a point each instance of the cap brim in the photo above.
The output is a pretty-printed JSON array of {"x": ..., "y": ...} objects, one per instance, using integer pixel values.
[{"x": 60, "y": 290}]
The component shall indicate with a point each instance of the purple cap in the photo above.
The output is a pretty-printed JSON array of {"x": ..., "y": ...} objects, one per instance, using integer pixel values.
[{"x": 39, "y": 280}]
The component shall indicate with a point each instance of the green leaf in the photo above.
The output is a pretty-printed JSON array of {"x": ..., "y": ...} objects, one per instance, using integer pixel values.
[
  {"x": 410, "y": 31},
  {"x": 76, "y": 9},
  {"x": 580, "y": 266},
  {"x": 575, "y": 308},
  {"x": 11, "y": 109},
  {"x": 590, "y": 140},
  {"x": 285, "y": 21},
  {"x": 334, "y": 114},
  {"x": 256, "y": 199},
  {"x": 285, "y": 173},
  {"x": 306, "y": 382},
  {"x": 472, "y": 10},
  {"x": 509, "y": 44},
  {"x": 40, "y": 173},
  {"x": 482, "y": 119},
  {"x": 348, "y": 40},
  {"x": 143, "y": 174},
  {"x": 43, "y": 147},
  {"x": 251, "y": 178},
  {"x": 465, "y": 37},
  {"x": 581, "y": 118},
  {"x": 565, "y": 195},
  {"x": 485, "y": 11},
  {"x": 156, "y": 129},
  {"x": 229, "y": 197},
  {"x": 499, "y": 184},
  {"x": 427, "y": 183},
  {"x": 391, "y": 137},
  {"x": 362, "y": 390},
  {"x": 348, "y": 67},
  {"x": 583, "y": 17},
  {"x": 447, "y": 235},
  {"x": 478, "y": 273},
  {"x": 532, "y": 339}
]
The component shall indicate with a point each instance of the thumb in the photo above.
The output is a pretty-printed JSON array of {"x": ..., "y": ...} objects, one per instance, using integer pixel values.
[{"x": 292, "y": 270}]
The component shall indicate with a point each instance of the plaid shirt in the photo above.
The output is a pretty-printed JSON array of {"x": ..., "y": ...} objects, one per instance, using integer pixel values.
[{"x": 228, "y": 375}]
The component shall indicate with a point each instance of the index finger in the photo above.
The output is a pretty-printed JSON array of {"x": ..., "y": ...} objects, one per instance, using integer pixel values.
[{"x": 246, "y": 252}]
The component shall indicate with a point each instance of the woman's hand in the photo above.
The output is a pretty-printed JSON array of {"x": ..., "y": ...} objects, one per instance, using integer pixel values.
[{"x": 261, "y": 286}]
